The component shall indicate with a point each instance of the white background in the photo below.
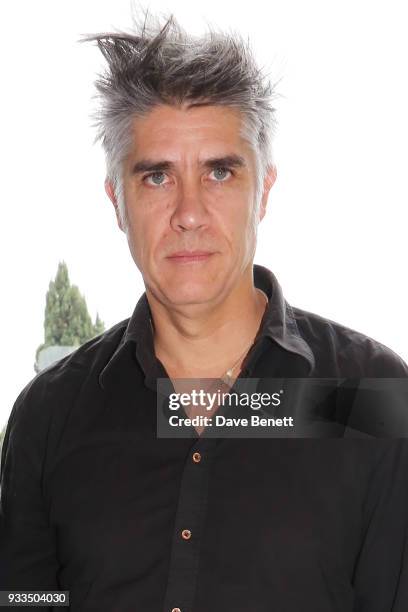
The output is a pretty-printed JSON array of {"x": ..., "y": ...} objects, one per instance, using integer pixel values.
[{"x": 335, "y": 233}]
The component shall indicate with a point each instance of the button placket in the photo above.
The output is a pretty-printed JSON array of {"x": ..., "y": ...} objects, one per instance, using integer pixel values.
[{"x": 190, "y": 516}]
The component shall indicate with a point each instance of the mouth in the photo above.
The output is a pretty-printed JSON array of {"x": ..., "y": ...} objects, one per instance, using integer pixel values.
[{"x": 189, "y": 256}]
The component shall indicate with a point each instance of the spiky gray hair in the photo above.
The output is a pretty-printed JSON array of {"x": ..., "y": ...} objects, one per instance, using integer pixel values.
[{"x": 162, "y": 64}]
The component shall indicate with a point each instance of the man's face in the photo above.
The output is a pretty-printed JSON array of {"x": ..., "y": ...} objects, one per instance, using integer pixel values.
[{"x": 189, "y": 186}]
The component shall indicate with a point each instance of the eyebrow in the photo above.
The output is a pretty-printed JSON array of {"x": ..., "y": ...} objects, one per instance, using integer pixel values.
[{"x": 149, "y": 165}]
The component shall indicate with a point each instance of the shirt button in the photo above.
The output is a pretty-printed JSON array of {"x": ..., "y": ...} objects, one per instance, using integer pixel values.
[
  {"x": 186, "y": 534},
  {"x": 196, "y": 457}
]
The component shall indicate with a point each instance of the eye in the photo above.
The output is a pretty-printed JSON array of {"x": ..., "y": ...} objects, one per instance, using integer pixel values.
[
  {"x": 154, "y": 176},
  {"x": 220, "y": 173}
]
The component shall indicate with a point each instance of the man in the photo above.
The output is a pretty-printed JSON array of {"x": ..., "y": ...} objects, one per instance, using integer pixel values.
[{"x": 93, "y": 500}]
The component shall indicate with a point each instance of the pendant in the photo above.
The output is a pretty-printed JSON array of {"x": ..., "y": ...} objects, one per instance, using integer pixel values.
[{"x": 227, "y": 377}]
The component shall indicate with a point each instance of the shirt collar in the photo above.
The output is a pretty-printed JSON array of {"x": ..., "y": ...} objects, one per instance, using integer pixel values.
[{"x": 278, "y": 324}]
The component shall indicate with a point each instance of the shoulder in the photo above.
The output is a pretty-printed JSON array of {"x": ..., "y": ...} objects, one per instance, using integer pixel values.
[
  {"x": 43, "y": 407},
  {"x": 341, "y": 351},
  {"x": 61, "y": 381}
]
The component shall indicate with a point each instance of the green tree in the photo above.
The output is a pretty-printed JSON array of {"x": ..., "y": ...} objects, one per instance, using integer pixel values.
[
  {"x": 99, "y": 327},
  {"x": 67, "y": 321}
]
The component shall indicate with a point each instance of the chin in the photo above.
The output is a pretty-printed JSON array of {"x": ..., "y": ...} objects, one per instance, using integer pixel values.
[
  {"x": 181, "y": 297},
  {"x": 189, "y": 293}
]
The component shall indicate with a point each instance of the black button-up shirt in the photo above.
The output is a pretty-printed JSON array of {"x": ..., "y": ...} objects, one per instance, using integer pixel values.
[{"x": 93, "y": 502}]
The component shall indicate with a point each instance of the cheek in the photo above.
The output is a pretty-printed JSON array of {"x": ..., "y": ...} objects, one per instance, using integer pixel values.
[
  {"x": 148, "y": 235},
  {"x": 136, "y": 236},
  {"x": 242, "y": 222},
  {"x": 234, "y": 224}
]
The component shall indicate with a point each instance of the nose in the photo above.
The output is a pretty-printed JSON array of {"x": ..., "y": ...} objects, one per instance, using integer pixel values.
[{"x": 190, "y": 212}]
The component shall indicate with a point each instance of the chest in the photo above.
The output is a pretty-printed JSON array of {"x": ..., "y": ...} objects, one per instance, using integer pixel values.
[{"x": 256, "y": 503}]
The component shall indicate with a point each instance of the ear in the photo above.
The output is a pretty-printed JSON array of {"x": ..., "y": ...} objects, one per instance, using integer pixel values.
[
  {"x": 269, "y": 180},
  {"x": 111, "y": 195}
]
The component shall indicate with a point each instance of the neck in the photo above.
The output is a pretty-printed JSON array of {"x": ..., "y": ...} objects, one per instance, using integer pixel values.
[{"x": 208, "y": 342}]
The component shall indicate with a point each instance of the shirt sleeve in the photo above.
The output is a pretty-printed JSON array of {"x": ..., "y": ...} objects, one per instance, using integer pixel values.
[
  {"x": 381, "y": 572},
  {"x": 28, "y": 559}
]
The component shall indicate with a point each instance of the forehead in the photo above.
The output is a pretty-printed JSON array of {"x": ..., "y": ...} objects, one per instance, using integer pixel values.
[{"x": 196, "y": 129}]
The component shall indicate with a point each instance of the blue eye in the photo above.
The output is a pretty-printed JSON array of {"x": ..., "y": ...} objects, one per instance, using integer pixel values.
[
  {"x": 153, "y": 176},
  {"x": 220, "y": 173}
]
